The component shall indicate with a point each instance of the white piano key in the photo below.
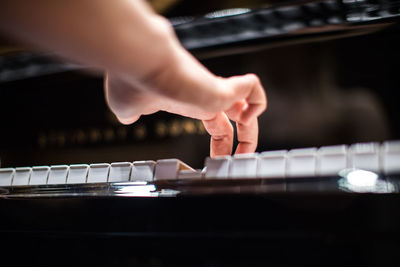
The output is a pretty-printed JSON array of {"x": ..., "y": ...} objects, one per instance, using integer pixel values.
[
  {"x": 390, "y": 153},
  {"x": 143, "y": 170},
  {"x": 301, "y": 162},
  {"x": 39, "y": 175},
  {"x": 77, "y": 173},
  {"x": 6, "y": 176},
  {"x": 218, "y": 167},
  {"x": 98, "y": 173},
  {"x": 168, "y": 169},
  {"x": 331, "y": 160},
  {"x": 364, "y": 156},
  {"x": 58, "y": 174},
  {"x": 21, "y": 176},
  {"x": 120, "y": 172},
  {"x": 272, "y": 164},
  {"x": 189, "y": 174},
  {"x": 243, "y": 166}
]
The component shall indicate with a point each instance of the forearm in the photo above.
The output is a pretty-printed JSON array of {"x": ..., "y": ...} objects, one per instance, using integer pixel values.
[
  {"x": 127, "y": 39},
  {"x": 113, "y": 35}
]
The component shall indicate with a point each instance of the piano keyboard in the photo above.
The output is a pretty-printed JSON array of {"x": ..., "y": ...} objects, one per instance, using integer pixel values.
[{"x": 296, "y": 163}]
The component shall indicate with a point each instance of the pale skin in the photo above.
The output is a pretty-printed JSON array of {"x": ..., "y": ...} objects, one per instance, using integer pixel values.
[{"x": 147, "y": 70}]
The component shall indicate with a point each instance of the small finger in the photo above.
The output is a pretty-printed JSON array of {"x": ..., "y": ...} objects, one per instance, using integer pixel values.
[{"x": 221, "y": 132}]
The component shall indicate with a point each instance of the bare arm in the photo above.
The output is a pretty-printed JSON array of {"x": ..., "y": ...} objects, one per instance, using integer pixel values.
[{"x": 147, "y": 68}]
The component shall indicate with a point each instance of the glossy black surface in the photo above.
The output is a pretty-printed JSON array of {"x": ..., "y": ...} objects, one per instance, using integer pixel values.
[
  {"x": 244, "y": 222},
  {"x": 273, "y": 229}
]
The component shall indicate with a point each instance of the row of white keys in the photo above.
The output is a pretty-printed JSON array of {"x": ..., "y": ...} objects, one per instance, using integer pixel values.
[
  {"x": 294, "y": 163},
  {"x": 78, "y": 173},
  {"x": 308, "y": 162}
]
